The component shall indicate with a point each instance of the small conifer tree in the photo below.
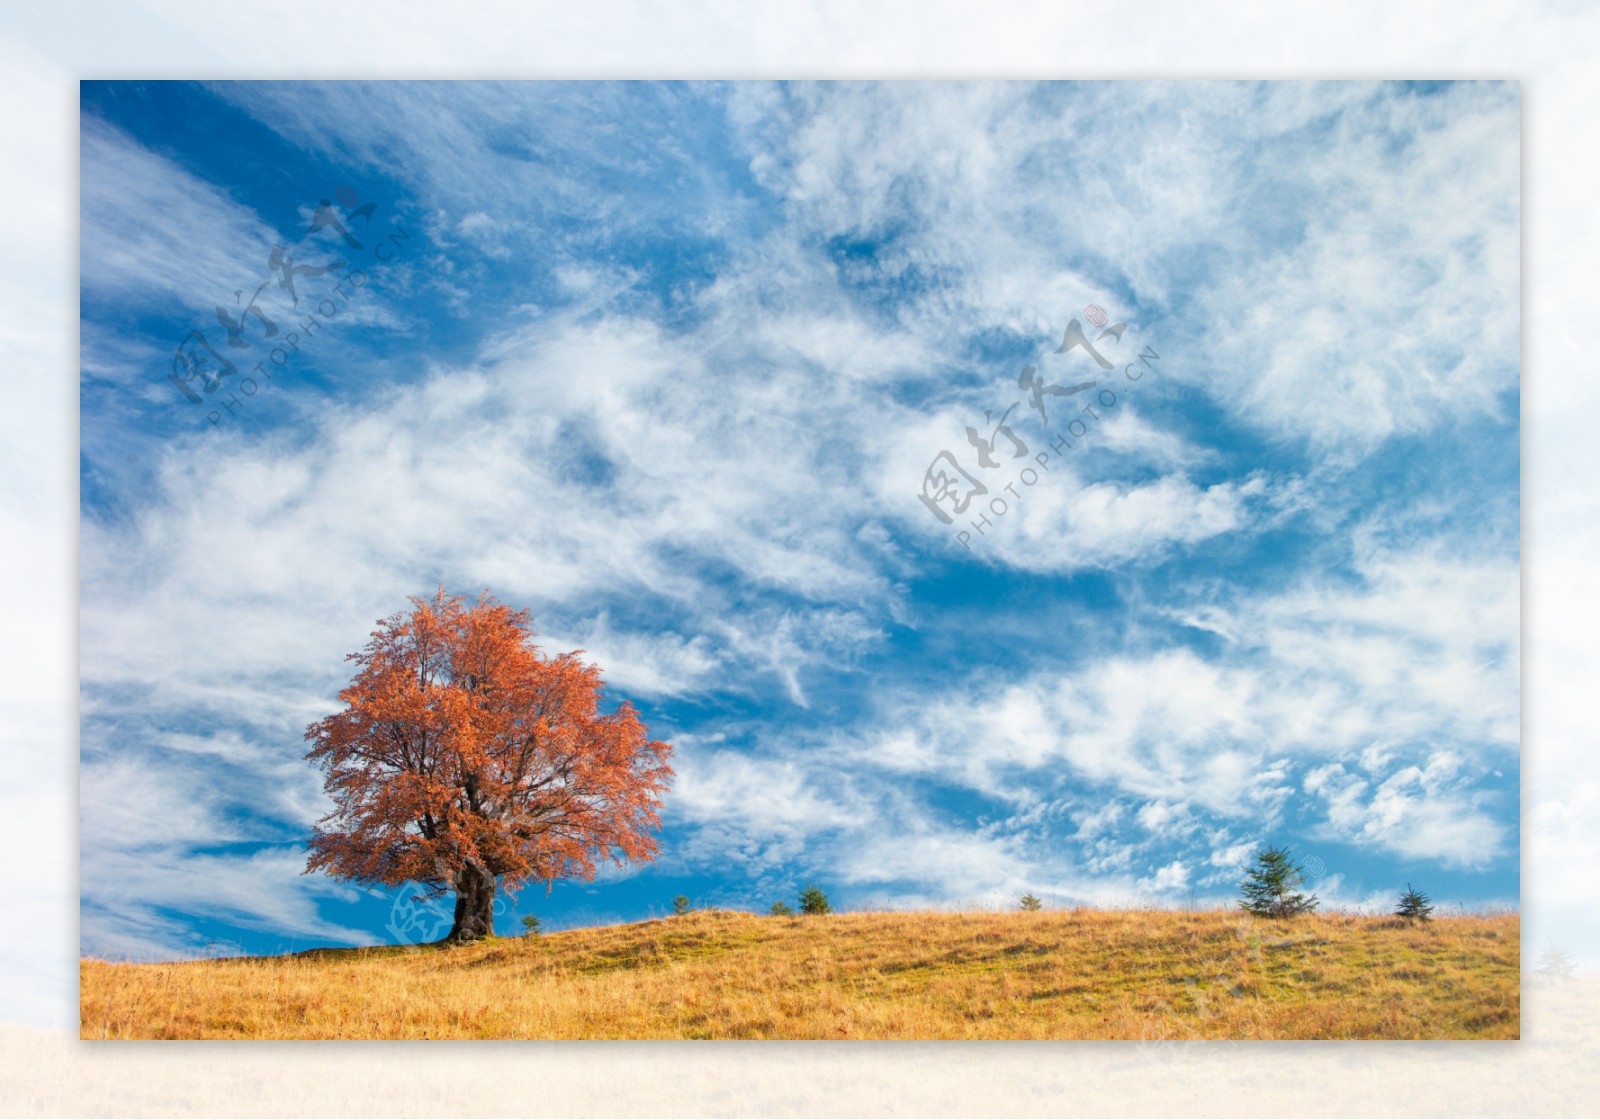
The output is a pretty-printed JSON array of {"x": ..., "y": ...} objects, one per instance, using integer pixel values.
[
  {"x": 530, "y": 922},
  {"x": 680, "y": 905},
  {"x": 1269, "y": 886},
  {"x": 1414, "y": 905},
  {"x": 813, "y": 901},
  {"x": 1028, "y": 902},
  {"x": 781, "y": 909},
  {"x": 1555, "y": 962}
]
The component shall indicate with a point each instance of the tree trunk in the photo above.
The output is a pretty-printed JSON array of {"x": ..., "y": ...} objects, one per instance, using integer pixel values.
[{"x": 474, "y": 903}]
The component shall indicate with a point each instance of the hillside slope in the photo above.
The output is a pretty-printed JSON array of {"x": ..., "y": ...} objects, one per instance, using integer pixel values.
[{"x": 1128, "y": 974}]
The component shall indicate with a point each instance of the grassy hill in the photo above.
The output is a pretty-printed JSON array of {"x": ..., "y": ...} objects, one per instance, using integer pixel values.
[{"x": 1126, "y": 974}]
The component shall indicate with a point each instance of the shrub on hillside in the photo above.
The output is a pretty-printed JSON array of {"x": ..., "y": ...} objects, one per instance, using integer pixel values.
[
  {"x": 1270, "y": 883},
  {"x": 1414, "y": 906},
  {"x": 1555, "y": 963},
  {"x": 813, "y": 901}
]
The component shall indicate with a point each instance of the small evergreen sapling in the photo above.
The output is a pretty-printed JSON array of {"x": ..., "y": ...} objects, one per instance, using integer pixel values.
[
  {"x": 680, "y": 905},
  {"x": 1028, "y": 902},
  {"x": 813, "y": 901},
  {"x": 1414, "y": 905},
  {"x": 1555, "y": 963},
  {"x": 1269, "y": 886},
  {"x": 781, "y": 909},
  {"x": 530, "y": 923}
]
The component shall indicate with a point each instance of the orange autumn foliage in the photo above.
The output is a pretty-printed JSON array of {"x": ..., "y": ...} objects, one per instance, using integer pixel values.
[{"x": 464, "y": 757}]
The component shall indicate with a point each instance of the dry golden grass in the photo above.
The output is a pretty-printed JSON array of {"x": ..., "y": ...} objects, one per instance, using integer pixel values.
[{"x": 1131, "y": 974}]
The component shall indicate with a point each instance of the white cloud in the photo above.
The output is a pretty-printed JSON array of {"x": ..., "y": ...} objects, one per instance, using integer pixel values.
[
  {"x": 1232, "y": 858},
  {"x": 1407, "y": 273},
  {"x": 756, "y": 812},
  {"x": 1172, "y": 877},
  {"x": 1062, "y": 525},
  {"x": 1158, "y": 816},
  {"x": 1092, "y": 823},
  {"x": 153, "y": 233},
  {"x": 125, "y": 893},
  {"x": 1421, "y": 812},
  {"x": 1420, "y": 647},
  {"x": 639, "y": 663},
  {"x": 1393, "y": 244}
]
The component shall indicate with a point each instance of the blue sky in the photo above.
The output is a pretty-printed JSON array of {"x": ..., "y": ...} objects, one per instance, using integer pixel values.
[{"x": 668, "y": 364}]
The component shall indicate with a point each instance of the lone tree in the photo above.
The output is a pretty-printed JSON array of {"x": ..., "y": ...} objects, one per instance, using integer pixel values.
[
  {"x": 1029, "y": 902},
  {"x": 813, "y": 901},
  {"x": 1555, "y": 962},
  {"x": 1269, "y": 886},
  {"x": 465, "y": 758},
  {"x": 680, "y": 905},
  {"x": 1414, "y": 905},
  {"x": 780, "y": 909}
]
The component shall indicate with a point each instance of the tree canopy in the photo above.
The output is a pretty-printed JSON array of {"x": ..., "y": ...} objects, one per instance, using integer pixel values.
[{"x": 464, "y": 756}]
